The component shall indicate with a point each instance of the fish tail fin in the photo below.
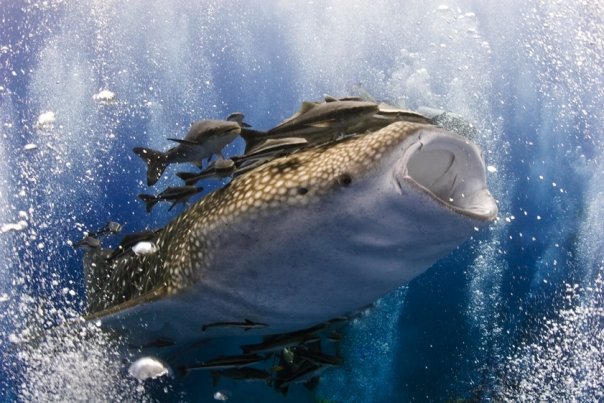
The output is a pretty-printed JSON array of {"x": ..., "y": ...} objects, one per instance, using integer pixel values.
[
  {"x": 238, "y": 118},
  {"x": 282, "y": 387},
  {"x": 157, "y": 162},
  {"x": 252, "y": 138},
  {"x": 215, "y": 377},
  {"x": 150, "y": 201},
  {"x": 312, "y": 383}
]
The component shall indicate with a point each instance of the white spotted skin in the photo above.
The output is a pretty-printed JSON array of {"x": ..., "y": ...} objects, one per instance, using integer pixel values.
[{"x": 300, "y": 240}]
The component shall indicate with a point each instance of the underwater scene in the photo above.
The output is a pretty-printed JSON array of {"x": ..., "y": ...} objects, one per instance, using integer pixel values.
[{"x": 301, "y": 201}]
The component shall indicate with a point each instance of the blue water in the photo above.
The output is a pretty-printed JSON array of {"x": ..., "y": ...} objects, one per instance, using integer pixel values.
[{"x": 516, "y": 313}]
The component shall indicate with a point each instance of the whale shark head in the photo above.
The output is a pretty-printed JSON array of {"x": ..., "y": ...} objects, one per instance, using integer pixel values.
[{"x": 303, "y": 238}]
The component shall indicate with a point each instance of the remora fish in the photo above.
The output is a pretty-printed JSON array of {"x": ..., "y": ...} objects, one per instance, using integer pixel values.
[
  {"x": 386, "y": 115},
  {"x": 217, "y": 169},
  {"x": 237, "y": 361},
  {"x": 316, "y": 122},
  {"x": 266, "y": 151},
  {"x": 246, "y": 325},
  {"x": 240, "y": 374},
  {"x": 280, "y": 341},
  {"x": 89, "y": 242},
  {"x": 319, "y": 358},
  {"x": 111, "y": 227},
  {"x": 204, "y": 139},
  {"x": 176, "y": 195},
  {"x": 302, "y": 239},
  {"x": 302, "y": 374}
]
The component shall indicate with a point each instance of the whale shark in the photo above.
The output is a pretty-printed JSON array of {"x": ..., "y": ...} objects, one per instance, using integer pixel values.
[{"x": 299, "y": 240}]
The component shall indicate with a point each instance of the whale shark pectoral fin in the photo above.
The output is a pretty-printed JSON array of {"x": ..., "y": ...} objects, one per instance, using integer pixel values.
[{"x": 153, "y": 295}]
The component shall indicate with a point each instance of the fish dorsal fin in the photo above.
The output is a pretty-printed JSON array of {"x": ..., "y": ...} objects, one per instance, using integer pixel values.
[{"x": 305, "y": 107}]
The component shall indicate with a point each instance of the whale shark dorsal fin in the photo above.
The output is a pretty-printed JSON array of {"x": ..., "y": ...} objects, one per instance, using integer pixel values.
[{"x": 305, "y": 107}]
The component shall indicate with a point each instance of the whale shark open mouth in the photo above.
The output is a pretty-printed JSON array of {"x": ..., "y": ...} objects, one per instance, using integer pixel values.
[{"x": 451, "y": 170}]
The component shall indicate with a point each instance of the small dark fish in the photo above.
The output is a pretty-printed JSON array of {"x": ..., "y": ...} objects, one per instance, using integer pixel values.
[
  {"x": 395, "y": 114},
  {"x": 89, "y": 242},
  {"x": 228, "y": 362},
  {"x": 204, "y": 139},
  {"x": 386, "y": 115},
  {"x": 111, "y": 227},
  {"x": 240, "y": 374},
  {"x": 317, "y": 122},
  {"x": 246, "y": 325},
  {"x": 281, "y": 341},
  {"x": 334, "y": 337},
  {"x": 217, "y": 169},
  {"x": 319, "y": 358},
  {"x": 312, "y": 383},
  {"x": 301, "y": 374},
  {"x": 267, "y": 150},
  {"x": 125, "y": 246},
  {"x": 176, "y": 195},
  {"x": 276, "y": 147}
]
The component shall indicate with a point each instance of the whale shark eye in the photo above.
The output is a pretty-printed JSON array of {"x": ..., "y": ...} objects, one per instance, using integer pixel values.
[
  {"x": 344, "y": 180},
  {"x": 302, "y": 191}
]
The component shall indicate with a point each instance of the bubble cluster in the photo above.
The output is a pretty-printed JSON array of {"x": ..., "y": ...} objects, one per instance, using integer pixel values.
[{"x": 565, "y": 362}]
